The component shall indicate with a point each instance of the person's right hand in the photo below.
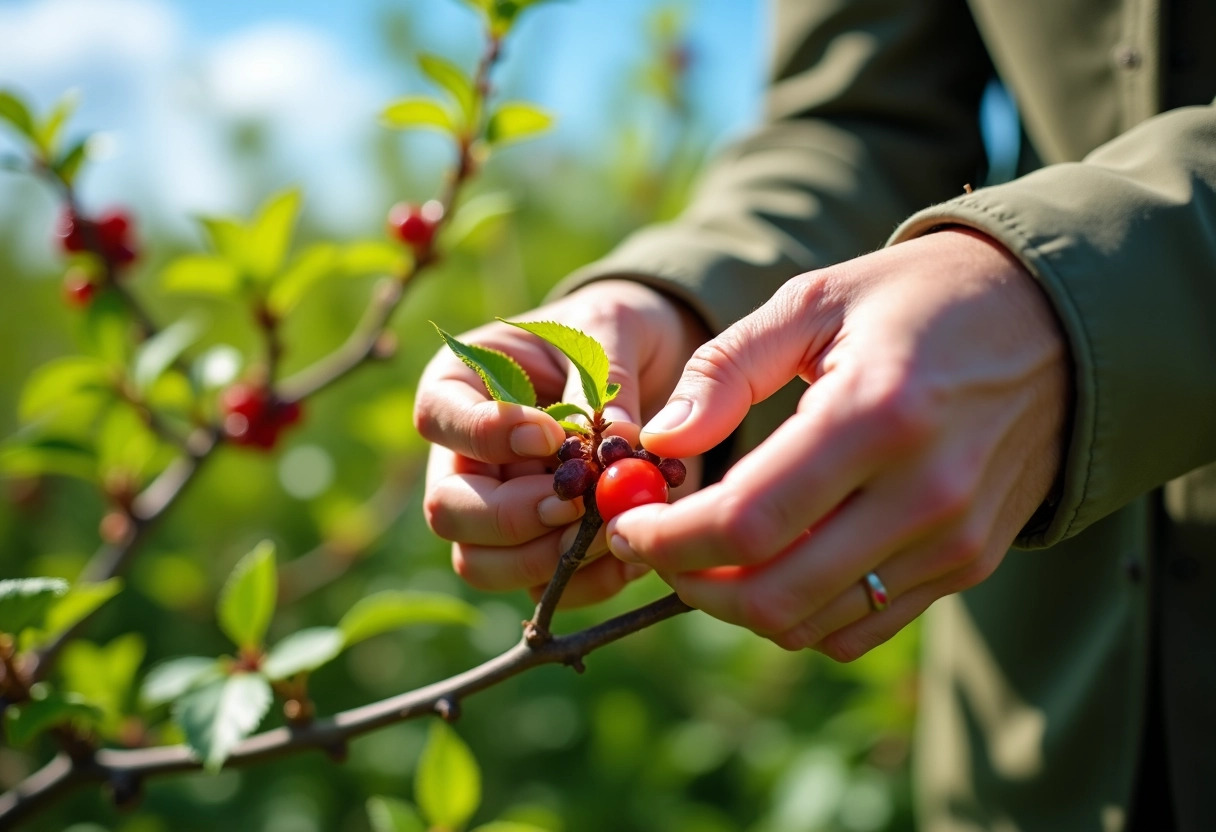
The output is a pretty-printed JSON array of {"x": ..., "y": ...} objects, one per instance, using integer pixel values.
[{"x": 487, "y": 490}]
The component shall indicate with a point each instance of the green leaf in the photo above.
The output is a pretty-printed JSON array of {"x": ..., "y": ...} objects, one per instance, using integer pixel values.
[
  {"x": 447, "y": 784},
  {"x": 24, "y": 602},
  {"x": 504, "y": 379},
  {"x": 68, "y": 383},
  {"x": 104, "y": 675},
  {"x": 170, "y": 679},
  {"x": 476, "y": 214},
  {"x": 201, "y": 274},
  {"x": 48, "y": 455},
  {"x": 374, "y": 257},
  {"x": 158, "y": 353},
  {"x": 68, "y": 165},
  {"x": 561, "y": 410},
  {"x": 304, "y": 650},
  {"x": 228, "y": 236},
  {"x": 248, "y": 599},
  {"x": 269, "y": 236},
  {"x": 390, "y": 814},
  {"x": 409, "y": 113},
  {"x": 15, "y": 112},
  {"x": 515, "y": 121},
  {"x": 216, "y": 716},
  {"x": 314, "y": 263},
  {"x": 392, "y": 609},
  {"x": 107, "y": 329},
  {"x": 47, "y": 134},
  {"x": 81, "y": 601},
  {"x": 450, "y": 77},
  {"x": 584, "y": 352},
  {"x": 29, "y": 719}
]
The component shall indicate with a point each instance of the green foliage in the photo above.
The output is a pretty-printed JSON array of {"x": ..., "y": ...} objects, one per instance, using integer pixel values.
[
  {"x": 584, "y": 352},
  {"x": 391, "y": 609},
  {"x": 416, "y": 112},
  {"x": 24, "y": 602},
  {"x": 303, "y": 651},
  {"x": 80, "y": 601},
  {"x": 216, "y": 715},
  {"x": 248, "y": 599},
  {"x": 504, "y": 379},
  {"x": 27, "y": 720},
  {"x": 171, "y": 679},
  {"x": 454, "y": 81},
  {"x": 447, "y": 784},
  {"x": 389, "y": 814},
  {"x": 104, "y": 675},
  {"x": 516, "y": 121}
]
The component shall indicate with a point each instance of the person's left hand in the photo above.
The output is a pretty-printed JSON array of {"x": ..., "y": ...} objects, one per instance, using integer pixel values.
[{"x": 930, "y": 433}]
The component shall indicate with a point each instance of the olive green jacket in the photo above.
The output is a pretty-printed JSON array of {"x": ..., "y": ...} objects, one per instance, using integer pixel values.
[{"x": 1036, "y": 681}]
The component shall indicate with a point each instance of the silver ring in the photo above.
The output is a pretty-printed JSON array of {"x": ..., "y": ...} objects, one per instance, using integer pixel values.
[{"x": 877, "y": 590}]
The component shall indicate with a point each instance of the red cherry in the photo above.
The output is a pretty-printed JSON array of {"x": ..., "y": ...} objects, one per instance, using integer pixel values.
[
  {"x": 628, "y": 483},
  {"x": 114, "y": 237},
  {"x": 252, "y": 417},
  {"x": 415, "y": 225},
  {"x": 78, "y": 290}
]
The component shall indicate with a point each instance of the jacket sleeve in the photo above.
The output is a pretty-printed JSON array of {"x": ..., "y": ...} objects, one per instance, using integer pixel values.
[
  {"x": 1124, "y": 243},
  {"x": 872, "y": 114}
]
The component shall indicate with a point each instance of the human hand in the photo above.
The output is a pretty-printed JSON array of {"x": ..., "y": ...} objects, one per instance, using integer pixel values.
[
  {"x": 931, "y": 431},
  {"x": 487, "y": 488}
]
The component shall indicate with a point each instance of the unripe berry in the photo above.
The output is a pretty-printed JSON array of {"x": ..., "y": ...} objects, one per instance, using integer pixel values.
[
  {"x": 575, "y": 447},
  {"x": 573, "y": 478},
  {"x": 673, "y": 471},
  {"x": 614, "y": 448}
]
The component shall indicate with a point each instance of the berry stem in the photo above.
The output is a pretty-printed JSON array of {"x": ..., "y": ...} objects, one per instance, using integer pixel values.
[{"x": 536, "y": 631}]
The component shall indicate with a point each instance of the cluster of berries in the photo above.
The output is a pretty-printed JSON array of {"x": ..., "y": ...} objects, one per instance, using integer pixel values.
[
  {"x": 109, "y": 236},
  {"x": 621, "y": 476},
  {"x": 253, "y": 416}
]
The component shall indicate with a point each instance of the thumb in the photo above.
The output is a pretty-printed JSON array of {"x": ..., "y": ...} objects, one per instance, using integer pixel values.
[{"x": 750, "y": 361}]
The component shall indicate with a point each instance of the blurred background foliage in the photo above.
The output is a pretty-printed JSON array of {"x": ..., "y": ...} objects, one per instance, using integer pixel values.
[{"x": 692, "y": 725}]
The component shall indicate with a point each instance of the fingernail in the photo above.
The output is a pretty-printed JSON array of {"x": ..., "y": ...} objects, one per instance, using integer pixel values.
[
  {"x": 633, "y": 571},
  {"x": 621, "y": 549},
  {"x": 568, "y": 539},
  {"x": 555, "y": 512},
  {"x": 531, "y": 440},
  {"x": 670, "y": 417}
]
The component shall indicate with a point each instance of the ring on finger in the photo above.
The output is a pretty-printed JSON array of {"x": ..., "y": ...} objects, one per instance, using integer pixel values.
[{"x": 880, "y": 599}]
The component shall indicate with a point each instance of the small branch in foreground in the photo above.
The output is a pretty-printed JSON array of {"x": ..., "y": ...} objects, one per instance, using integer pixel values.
[
  {"x": 536, "y": 631},
  {"x": 125, "y": 769}
]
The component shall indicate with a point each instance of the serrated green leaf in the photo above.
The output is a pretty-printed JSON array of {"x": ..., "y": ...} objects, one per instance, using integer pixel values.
[
  {"x": 392, "y": 609},
  {"x": 68, "y": 165},
  {"x": 217, "y": 715},
  {"x": 81, "y": 600},
  {"x": 29, "y": 719},
  {"x": 409, "y": 113},
  {"x": 504, "y": 379},
  {"x": 584, "y": 352},
  {"x": 390, "y": 814},
  {"x": 171, "y": 679},
  {"x": 574, "y": 427},
  {"x": 104, "y": 675},
  {"x": 452, "y": 79},
  {"x": 48, "y": 455},
  {"x": 304, "y": 650},
  {"x": 67, "y": 383},
  {"x": 314, "y": 264},
  {"x": 447, "y": 784},
  {"x": 158, "y": 353},
  {"x": 515, "y": 121},
  {"x": 248, "y": 599},
  {"x": 269, "y": 236},
  {"x": 47, "y": 134},
  {"x": 561, "y": 410},
  {"x": 201, "y": 274},
  {"x": 15, "y": 112},
  {"x": 24, "y": 602}
]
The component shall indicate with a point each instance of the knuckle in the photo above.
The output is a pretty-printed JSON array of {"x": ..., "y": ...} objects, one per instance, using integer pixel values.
[
  {"x": 844, "y": 646},
  {"x": 947, "y": 495},
  {"x": 435, "y": 511},
  {"x": 907, "y": 413},
  {"x": 766, "y": 611},
  {"x": 714, "y": 361},
  {"x": 800, "y": 637},
  {"x": 746, "y": 531},
  {"x": 963, "y": 550}
]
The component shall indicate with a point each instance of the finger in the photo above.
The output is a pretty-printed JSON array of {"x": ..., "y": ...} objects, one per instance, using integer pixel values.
[
  {"x": 746, "y": 364},
  {"x": 596, "y": 582},
  {"x": 452, "y": 410},
  {"x": 502, "y": 568},
  {"x": 487, "y": 511}
]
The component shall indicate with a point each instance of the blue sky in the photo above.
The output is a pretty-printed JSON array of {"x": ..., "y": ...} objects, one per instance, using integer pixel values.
[{"x": 162, "y": 79}]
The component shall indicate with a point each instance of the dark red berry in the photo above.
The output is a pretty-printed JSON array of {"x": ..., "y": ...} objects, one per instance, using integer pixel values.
[
  {"x": 573, "y": 478},
  {"x": 72, "y": 232},
  {"x": 642, "y": 453},
  {"x": 252, "y": 417},
  {"x": 628, "y": 483},
  {"x": 415, "y": 225},
  {"x": 78, "y": 289},
  {"x": 575, "y": 447},
  {"x": 614, "y": 448},
  {"x": 114, "y": 237},
  {"x": 673, "y": 471}
]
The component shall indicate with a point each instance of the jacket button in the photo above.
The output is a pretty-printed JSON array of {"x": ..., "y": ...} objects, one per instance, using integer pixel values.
[
  {"x": 1185, "y": 568},
  {"x": 1127, "y": 57}
]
